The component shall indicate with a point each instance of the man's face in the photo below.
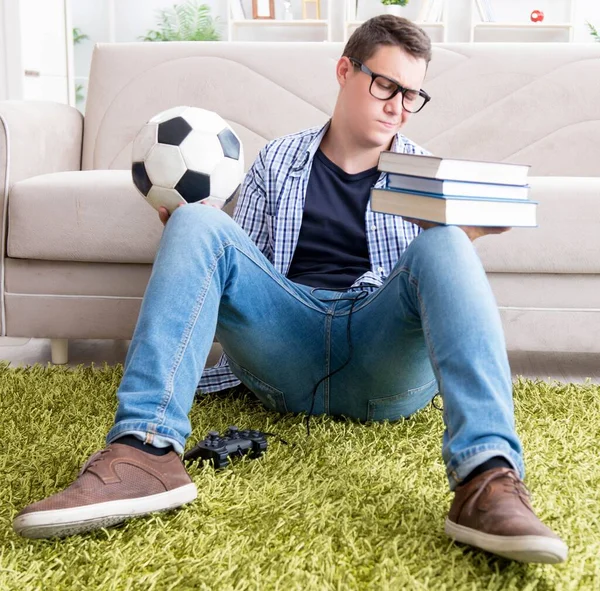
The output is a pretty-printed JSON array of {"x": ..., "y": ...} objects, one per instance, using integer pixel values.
[{"x": 374, "y": 122}]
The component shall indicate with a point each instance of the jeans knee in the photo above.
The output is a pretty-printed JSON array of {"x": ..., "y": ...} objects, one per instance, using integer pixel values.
[
  {"x": 198, "y": 211},
  {"x": 443, "y": 239},
  {"x": 195, "y": 217},
  {"x": 445, "y": 234},
  {"x": 195, "y": 226},
  {"x": 441, "y": 248}
]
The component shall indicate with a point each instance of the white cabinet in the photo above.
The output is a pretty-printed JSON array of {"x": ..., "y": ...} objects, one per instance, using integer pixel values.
[
  {"x": 38, "y": 50},
  {"x": 511, "y": 21}
]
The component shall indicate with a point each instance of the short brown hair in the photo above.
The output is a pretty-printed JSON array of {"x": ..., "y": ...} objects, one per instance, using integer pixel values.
[{"x": 387, "y": 29}]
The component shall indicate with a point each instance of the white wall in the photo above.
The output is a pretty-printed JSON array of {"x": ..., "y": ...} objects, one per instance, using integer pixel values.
[
  {"x": 135, "y": 17},
  {"x": 586, "y": 10},
  {"x": 132, "y": 19},
  {"x": 118, "y": 21},
  {"x": 3, "y": 84}
]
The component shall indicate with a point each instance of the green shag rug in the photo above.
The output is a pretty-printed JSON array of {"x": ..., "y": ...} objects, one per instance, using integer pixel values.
[{"x": 353, "y": 506}]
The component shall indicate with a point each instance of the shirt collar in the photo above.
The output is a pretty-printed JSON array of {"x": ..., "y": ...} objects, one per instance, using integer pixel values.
[{"x": 305, "y": 157}]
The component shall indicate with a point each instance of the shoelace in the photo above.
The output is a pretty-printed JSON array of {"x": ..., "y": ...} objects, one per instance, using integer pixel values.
[
  {"x": 512, "y": 484},
  {"x": 96, "y": 457},
  {"x": 518, "y": 488}
]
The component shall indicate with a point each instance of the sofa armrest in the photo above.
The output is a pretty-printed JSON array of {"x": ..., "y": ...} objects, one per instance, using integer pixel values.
[{"x": 36, "y": 137}]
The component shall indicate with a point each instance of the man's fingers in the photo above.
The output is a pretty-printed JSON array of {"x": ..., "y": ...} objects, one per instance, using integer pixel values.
[
  {"x": 421, "y": 223},
  {"x": 493, "y": 230},
  {"x": 164, "y": 215}
]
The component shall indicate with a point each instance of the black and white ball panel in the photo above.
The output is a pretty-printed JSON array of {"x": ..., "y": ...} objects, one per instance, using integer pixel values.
[
  {"x": 168, "y": 114},
  {"x": 140, "y": 178},
  {"x": 173, "y": 131},
  {"x": 229, "y": 144},
  {"x": 203, "y": 120},
  {"x": 165, "y": 165},
  {"x": 225, "y": 178},
  {"x": 194, "y": 186},
  {"x": 161, "y": 197},
  {"x": 201, "y": 151}
]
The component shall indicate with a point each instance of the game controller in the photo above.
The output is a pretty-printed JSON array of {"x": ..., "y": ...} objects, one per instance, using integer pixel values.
[{"x": 234, "y": 443}]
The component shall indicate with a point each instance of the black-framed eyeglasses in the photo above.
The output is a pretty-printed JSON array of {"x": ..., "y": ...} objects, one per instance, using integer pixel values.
[{"x": 384, "y": 89}]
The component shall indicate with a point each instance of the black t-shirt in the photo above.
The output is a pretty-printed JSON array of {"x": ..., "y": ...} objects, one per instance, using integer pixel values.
[{"x": 332, "y": 247}]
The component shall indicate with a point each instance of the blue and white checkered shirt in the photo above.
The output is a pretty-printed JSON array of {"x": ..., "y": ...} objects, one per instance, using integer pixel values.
[{"x": 270, "y": 208}]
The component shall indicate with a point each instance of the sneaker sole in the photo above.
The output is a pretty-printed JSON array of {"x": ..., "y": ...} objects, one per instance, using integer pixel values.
[
  {"x": 77, "y": 520},
  {"x": 520, "y": 548}
]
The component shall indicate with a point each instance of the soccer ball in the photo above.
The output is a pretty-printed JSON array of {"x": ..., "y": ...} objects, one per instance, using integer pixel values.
[{"x": 185, "y": 155}]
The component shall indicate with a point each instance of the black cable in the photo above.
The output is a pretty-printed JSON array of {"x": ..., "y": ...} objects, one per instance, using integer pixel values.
[{"x": 360, "y": 296}]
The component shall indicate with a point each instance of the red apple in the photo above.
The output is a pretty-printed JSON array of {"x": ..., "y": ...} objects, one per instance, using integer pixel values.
[{"x": 537, "y": 16}]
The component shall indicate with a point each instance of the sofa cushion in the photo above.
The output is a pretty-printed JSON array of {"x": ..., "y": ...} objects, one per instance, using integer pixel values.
[
  {"x": 98, "y": 216},
  {"x": 530, "y": 103},
  {"x": 92, "y": 216}
]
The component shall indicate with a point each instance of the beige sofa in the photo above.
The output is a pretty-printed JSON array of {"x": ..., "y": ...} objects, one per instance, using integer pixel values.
[{"x": 78, "y": 241}]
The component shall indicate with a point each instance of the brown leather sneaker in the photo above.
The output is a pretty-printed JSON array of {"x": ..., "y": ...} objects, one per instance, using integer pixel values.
[
  {"x": 493, "y": 512},
  {"x": 114, "y": 484}
]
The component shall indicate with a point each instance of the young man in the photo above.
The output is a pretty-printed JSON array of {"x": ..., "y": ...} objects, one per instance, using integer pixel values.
[{"x": 320, "y": 305}]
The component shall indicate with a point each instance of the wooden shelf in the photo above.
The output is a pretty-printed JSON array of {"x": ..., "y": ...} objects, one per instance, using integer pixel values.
[
  {"x": 437, "y": 28},
  {"x": 517, "y": 25},
  {"x": 421, "y": 24},
  {"x": 270, "y": 22}
]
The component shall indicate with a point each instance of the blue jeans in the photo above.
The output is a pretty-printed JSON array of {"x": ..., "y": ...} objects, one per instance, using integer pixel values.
[{"x": 433, "y": 326}]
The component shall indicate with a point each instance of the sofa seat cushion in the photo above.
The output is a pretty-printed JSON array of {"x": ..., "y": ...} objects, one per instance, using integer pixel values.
[
  {"x": 92, "y": 216},
  {"x": 98, "y": 216}
]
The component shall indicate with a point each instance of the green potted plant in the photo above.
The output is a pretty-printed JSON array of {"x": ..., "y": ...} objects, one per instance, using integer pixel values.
[
  {"x": 394, "y": 6},
  {"x": 79, "y": 37},
  {"x": 593, "y": 32},
  {"x": 189, "y": 21}
]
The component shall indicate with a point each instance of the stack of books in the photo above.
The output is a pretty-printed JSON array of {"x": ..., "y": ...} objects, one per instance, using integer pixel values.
[{"x": 455, "y": 192}]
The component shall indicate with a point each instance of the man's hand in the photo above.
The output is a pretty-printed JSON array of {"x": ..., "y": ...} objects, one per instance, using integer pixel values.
[
  {"x": 473, "y": 232},
  {"x": 164, "y": 215}
]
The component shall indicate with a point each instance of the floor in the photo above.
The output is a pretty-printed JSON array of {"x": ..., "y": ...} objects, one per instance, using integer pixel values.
[{"x": 564, "y": 367}]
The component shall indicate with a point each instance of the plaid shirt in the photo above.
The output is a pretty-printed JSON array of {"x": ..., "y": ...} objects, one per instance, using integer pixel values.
[{"x": 270, "y": 207}]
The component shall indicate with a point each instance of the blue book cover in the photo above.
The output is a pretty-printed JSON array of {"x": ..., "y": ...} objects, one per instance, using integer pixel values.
[
  {"x": 456, "y": 197},
  {"x": 406, "y": 182},
  {"x": 466, "y": 211}
]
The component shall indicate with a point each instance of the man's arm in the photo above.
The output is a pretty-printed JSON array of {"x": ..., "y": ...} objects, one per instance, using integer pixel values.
[
  {"x": 251, "y": 207},
  {"x": 473, "y": 232}
]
